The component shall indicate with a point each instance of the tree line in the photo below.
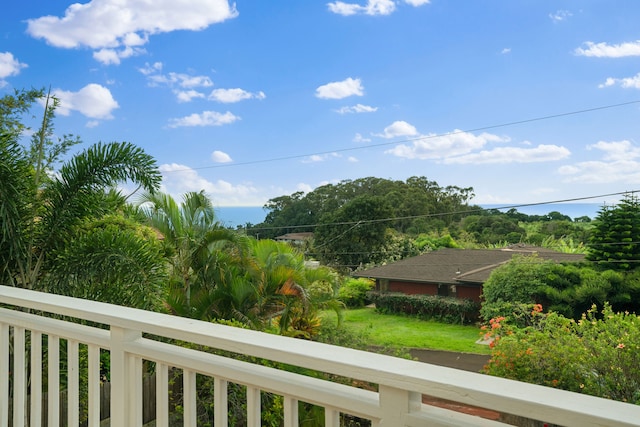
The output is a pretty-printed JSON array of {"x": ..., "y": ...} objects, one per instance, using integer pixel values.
[{"x": 367, "y": 221}]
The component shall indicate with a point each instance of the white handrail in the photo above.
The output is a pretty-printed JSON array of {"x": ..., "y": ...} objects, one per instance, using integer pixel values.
[{"x": 400, "y": 379}]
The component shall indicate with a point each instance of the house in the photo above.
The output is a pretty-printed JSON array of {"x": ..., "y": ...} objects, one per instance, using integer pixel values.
[
  {"x": 452, "y": 272},
  {"x": 297, "y": 239}
]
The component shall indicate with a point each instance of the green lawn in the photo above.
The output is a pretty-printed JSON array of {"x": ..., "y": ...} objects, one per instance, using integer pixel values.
[{"x": 402, "y": 331}]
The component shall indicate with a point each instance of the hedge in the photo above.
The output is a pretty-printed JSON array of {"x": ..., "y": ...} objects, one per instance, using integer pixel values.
[{"x": 427, "y": 307}]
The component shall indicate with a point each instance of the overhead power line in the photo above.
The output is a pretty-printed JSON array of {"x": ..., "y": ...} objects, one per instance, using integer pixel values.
[
  {"x": 432, "y": 215},
  {"x": 421, "y": 138}
]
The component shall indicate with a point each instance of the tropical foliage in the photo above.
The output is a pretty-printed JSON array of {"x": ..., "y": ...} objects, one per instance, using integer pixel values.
[
  {"x": 46, "y": 214},
  {"x": 615, "y": 241},
  {"x": 354, "y": 291},
  {"x": 596, "y": 355},
  {"x": 193, "y": 242},
  {"x": 569, "y": 289}
]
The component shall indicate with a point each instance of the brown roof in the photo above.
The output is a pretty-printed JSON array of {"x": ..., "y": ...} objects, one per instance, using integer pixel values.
[
  {"x": 295, "y": 236},
  {"x": 455, "y": 266}
]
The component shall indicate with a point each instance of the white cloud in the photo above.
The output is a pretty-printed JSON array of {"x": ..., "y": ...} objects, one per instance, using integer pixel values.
[
  {"x": 352, "y": 159},
  {"x": 149, "y": 69},
  {"x": 92, "y": 123},
  {"x": 560, "y": 15},
  {"x": 359, "y": 138},
  {"x": 373, "y": 7},
  {"x": 320, "y": 157},
  {"x": 221, "y": 157},
  {"x": 184, "y": 85},
  {"x": 178, "y": 179},
  {"x": 206, "y": 118},
  {"x": 598, "y": 172},
  {"x": 177, "y": 79},
  {"x": 398, "y": 128},
  {"x": 417, "y": 3},
  {"x": 604, "y": 50},
  {"x": 627, "y": 82},
  {"x": 229, "y": 96},
  {"x": 432, "y": 146},
  {"x": 9, "y": 66},
  {"x": 339, "y": 90},
  {"x": 506, "y": 50},
  {"x": 617, "y": 150},
  {"x": 93, "y": 100},
  {"x": 187, "y": 95},
  {"x": 503, "y": 155},
  {"x": 122, "y": 24},
  {"x": 358, "y": 108},
  {"x": 619, "y": 164},
  {"x": 306, "y": 188},
  {"x": 113, "y": 56}
]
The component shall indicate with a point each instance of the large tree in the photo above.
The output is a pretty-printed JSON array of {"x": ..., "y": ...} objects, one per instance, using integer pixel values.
[
  {"x": 414, "y": 203},
  {"x": 42, "y": 209},
  {"x": 615, "y": 239},
  {"x": 355, "y": 234}
]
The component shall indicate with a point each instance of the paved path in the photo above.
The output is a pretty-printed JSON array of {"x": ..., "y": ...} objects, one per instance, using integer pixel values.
[{"x": 464, "y": 361}]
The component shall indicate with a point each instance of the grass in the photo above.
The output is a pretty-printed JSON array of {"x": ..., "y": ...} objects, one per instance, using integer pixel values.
[{"x": 387, "y": 330}]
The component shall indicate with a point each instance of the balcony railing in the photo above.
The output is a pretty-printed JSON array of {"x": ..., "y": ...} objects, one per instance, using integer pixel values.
[{"x": 136, "y": 338}]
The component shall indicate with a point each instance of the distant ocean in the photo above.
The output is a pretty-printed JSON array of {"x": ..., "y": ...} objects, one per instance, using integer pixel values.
[
  {"x": 572, "y": 210},
  {"x": 232, "y": 216},
  {"x": 240, "y": 215}
]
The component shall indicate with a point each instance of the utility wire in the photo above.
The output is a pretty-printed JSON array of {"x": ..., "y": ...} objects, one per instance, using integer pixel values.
[
  {"x": 432, "y": 215},
  {"x": 421, "y": 138}
]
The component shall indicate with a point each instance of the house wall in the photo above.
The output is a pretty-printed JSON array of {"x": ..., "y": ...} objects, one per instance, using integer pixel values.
[
  {"x": 469, "y": 292},
  {"x": 413, "y": 288},
  {"x": 417, "y": 288}
]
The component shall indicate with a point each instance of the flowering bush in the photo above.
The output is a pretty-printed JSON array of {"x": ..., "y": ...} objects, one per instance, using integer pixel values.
[{"x": 598, "y": 355}]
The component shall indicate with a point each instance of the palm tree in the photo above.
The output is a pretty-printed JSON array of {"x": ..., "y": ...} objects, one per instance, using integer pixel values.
[
  {"x": 40, "y": 211},
  {"x": 194, "y": 240},
  {"x": 289, "y": 291}
]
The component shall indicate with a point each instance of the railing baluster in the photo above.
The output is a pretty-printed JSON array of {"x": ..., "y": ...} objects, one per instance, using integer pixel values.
[
  {"x": 162, "y": 395},
  {"x": 396, "y": 404},
  {"x": 36, "y": 379},
  {"x": 53, "y": 378},
  {"x": 73, "y": 383},
  {"x": 94, "y": 385},
  {"x": 4, "y": 374},
  {"x": 123, "y": 383},
  {"x": 253, "y": 407},
  {"x": 220, "y": 403},
  {"x": 331, "y": 418},
  {"x": 135, "y": 400},
  {"x": 189, "y": 401},
  {"x": 290, "y": 412},
  {"x": 19, "y": 376}
]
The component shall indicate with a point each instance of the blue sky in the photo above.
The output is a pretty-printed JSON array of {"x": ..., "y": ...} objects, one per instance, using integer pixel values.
[{"x": 256, "y": 99}]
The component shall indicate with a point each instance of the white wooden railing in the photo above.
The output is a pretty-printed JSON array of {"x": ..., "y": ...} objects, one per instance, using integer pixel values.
[{"x": 125, "y": 334}]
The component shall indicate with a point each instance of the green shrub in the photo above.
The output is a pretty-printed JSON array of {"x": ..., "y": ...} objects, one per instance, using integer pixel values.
[
  {"x": 353, "y": 292},
  {"x": 444, "y": 309},
  {"x": 596, "y": 355}
]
